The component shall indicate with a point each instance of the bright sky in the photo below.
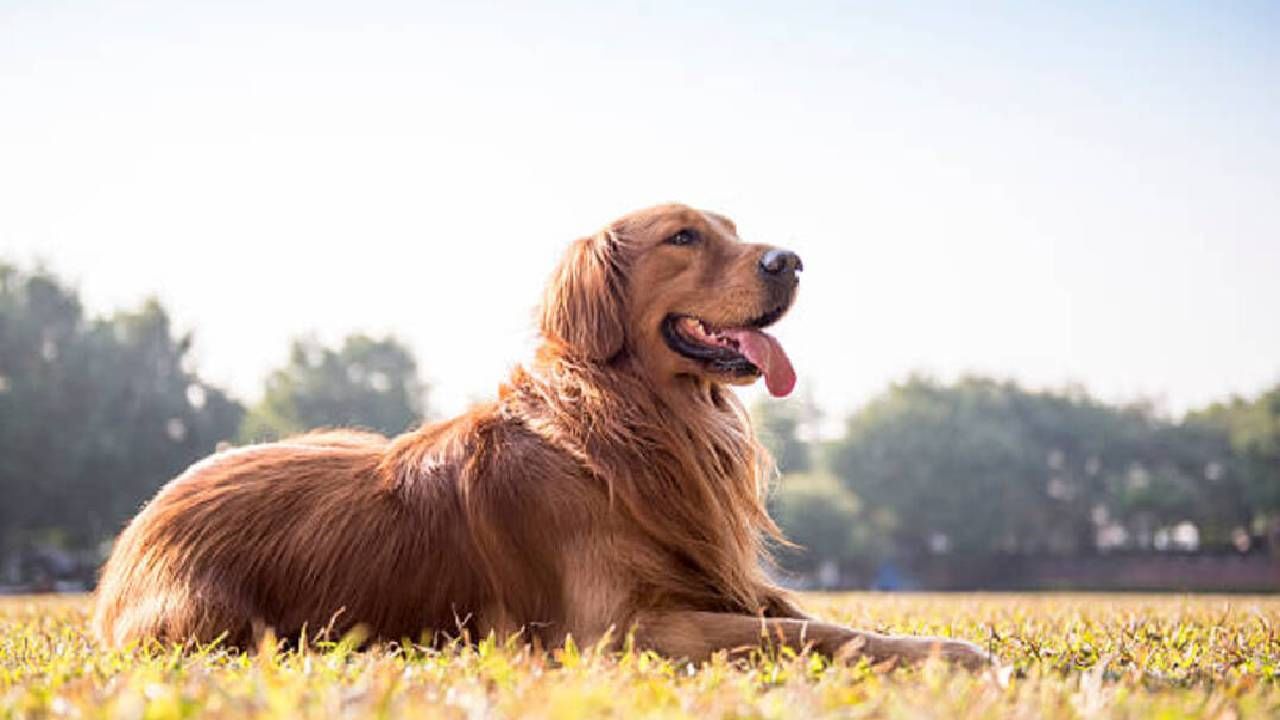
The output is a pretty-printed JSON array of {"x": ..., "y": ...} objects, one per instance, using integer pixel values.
[{"x": 1087, "y": 193}]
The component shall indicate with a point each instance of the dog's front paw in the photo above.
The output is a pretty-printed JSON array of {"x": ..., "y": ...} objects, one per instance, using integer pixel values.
[
  {"x": 963, "y": 653},
  {"x": 919, "y": 649}
]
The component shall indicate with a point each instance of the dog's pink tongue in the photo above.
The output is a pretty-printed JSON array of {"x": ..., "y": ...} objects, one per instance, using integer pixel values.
[{"x": 765, "y": 352}]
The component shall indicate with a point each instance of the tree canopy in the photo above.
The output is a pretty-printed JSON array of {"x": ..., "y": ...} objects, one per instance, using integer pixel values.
[
  {"x": 95, "y": 413},
  {"x": 366, "y": 382},
  {"x": 984, "y": 467}
]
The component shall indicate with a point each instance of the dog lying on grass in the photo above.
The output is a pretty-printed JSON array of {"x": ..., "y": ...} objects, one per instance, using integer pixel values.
[{"x": 613, "y": 486}]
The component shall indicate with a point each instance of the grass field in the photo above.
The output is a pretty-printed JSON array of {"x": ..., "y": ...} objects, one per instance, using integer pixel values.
[{"x": 1067, "y": 655}]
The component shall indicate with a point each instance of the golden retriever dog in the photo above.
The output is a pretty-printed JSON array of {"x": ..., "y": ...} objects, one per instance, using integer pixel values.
[{"x": 613, "y": 488}]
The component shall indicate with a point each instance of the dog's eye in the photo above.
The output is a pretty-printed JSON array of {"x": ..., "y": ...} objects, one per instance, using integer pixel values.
[{"x": 684, "y": 237}]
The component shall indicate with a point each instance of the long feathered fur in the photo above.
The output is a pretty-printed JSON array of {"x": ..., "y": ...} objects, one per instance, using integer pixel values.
[{"x": 584, "y": 496}]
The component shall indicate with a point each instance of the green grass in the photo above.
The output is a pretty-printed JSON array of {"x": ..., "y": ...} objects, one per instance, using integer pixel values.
[{"x": 1068, "y": 656}]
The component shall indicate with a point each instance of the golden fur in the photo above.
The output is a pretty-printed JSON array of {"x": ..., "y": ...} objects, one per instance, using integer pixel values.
[{"x": 613, "y": 485}]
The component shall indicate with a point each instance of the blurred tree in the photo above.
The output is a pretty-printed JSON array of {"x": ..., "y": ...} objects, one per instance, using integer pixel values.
[
  {"x": 780, "y": 424},
  {"x": 365, "y": 383},
  {"x": 983, "y": 467},
  {"x": 1244, "y": 468},
  {"x": 937, "y": 461},
  {"x": 826, "y": 521},
  {"x": 94, "y": 414}
]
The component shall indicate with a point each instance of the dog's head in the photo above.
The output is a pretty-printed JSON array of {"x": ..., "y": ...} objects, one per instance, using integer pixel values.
[{"x": 675, "y": 288}]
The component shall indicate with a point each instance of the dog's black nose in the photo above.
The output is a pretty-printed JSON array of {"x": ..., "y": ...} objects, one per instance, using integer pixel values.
[{"x": 780, "y": 263}]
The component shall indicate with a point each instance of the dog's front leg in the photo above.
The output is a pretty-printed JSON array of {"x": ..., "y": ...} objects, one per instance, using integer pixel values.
[{"x": 697, "y": 635}]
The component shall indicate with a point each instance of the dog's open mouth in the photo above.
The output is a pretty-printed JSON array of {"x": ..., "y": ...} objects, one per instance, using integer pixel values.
[{"x": 740, "y": 351}]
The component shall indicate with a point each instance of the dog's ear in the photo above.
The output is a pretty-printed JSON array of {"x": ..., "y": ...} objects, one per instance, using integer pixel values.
[{"x": 582, "y": 306}]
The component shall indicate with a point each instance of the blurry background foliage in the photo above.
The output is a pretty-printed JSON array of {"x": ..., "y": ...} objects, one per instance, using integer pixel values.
[
  {"x": 367, "y": 383},
  {"x": 982, "y": 468},
  {"x": 97, "y": 413}
]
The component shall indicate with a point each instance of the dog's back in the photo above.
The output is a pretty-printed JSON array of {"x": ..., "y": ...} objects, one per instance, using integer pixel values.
[{"x": 306, "y": 533}]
